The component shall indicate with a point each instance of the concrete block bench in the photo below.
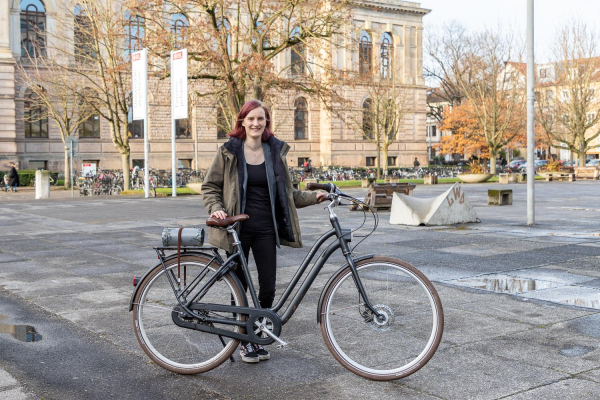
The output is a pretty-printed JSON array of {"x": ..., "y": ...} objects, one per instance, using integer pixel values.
[
  {"x": 586, "y": 173},
  {"x": 559, "y": 176},
  {"x": 502, "y": 197}
]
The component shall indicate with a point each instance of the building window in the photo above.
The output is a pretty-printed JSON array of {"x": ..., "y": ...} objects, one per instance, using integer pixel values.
[
  {"x": 135, "y": 33},
  {"x": 302, "y": 160},
  {"x": 221, "y": 124},
  {"x": 300, "y": 118},
  {"x": 386, "y": 55},
  {"x": 367, "y": 119},
  {"x": 33, "y": 26},
  {"x": 38, "y": 164},
  {"x": 549, "y": 95},
  {"x": 185, "y": 163},
  {"x": 298, "y": 51},
  {"x": 183, "y": 129},
  {"x": 543, "y": 73},
  {"x": 433, "y": 131},
  {"x": 392, "y": 161},
  {"x": 591, "y": 117},
  {"x": 137, "y": 163},
  {"x": 90, "y": 128},
  {"x": 179, "y": 25},
  {"x": 135, "y": 129},
  {"x": 81, "y": 35},
  {"x": 365, "y": 53},
  {"x": 35, "y": 117},
  {"x": 371, "y": 161}
]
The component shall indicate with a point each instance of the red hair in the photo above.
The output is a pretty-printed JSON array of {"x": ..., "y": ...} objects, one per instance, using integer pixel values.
[{"x": 240, "y": 132}]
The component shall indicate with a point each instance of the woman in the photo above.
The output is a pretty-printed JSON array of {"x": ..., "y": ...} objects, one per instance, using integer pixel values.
[
  {"x": 249, "y": 176},
  {"x": 13, "y": 177}
]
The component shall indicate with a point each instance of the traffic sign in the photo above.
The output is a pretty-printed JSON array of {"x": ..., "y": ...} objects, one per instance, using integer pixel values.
[{"x": 71, "y": 139}]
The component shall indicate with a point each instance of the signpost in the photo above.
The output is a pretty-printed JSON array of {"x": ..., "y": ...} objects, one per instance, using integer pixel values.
[
  {"x": 71, "y": 141},
  {"x": 179, "y": 104},
  {"x": 139, "y": 75}
]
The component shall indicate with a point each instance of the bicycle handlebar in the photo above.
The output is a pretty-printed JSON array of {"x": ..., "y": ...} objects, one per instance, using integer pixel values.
[{"x": 328, "y": 187}]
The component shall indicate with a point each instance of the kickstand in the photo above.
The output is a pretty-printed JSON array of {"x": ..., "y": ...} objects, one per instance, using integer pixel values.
[{"x": 222, "y": 341}]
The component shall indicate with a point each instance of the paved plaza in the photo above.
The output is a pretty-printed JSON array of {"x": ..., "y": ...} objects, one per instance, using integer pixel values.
[{"x": 66, "y": 267}]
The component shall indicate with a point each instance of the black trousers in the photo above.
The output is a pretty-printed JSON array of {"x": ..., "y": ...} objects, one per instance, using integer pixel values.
[{"x": 264, "y": 251}]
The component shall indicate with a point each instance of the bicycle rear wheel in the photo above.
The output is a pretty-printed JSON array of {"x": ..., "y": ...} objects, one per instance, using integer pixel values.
[
  {"x": 177, "y": 349},
  {"x": 401, "y": 343}
]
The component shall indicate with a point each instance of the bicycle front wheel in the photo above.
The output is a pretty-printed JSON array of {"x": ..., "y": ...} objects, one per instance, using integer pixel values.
[
  {"x": 398, "y": 344},
  {"x": 177, "y": 349}
]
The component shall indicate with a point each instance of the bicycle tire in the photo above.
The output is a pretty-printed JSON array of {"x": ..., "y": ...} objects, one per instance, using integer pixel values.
[
  {"x": 177, "y": 349},
  {"x": 393, "y": 349}
]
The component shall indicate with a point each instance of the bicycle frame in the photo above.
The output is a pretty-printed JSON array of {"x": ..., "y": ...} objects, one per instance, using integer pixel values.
[{"x": 344, "y": 236}]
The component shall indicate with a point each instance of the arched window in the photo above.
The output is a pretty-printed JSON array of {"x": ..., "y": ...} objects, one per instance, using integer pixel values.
[
  {"x": 179, "y": 25},
  {"x": 386, "y": 55},
  {"x": 298, "y": 61},
  {"x": 33, "y": 26},
  {"x": 300, "y": 119},
  {"x": 365, "y": 53},
  {"x": 135, "y": 33},
  {"x": 367, "y": 122},
  {"x": 81, "y": 35},
  {"x": 221, "y": 124},
  {"x": 35, "y": 116},
  {"x": 183, "y": 128},
  {"x": 390, "y": 114},
  {"x": 224, "y": 23}
]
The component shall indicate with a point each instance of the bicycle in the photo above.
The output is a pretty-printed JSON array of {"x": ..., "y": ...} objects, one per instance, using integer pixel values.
[{"x": 381, "y": 318}]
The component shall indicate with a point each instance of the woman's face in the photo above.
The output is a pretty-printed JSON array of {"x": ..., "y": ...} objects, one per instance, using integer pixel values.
[{"x": 255, "y": 123}]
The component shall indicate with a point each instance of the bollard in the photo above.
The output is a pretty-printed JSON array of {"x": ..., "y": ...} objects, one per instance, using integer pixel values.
[{"x": 42, "y": 184}]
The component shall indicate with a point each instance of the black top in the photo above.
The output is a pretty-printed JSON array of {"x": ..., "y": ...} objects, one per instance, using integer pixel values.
[{"x": 258, "y": 202}]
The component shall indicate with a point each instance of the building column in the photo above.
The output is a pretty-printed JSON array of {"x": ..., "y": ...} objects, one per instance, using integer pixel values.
[{"x": 8, "y": 145}]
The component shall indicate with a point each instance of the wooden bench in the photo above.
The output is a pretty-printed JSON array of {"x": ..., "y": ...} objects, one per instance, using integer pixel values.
[
  {"x": 559, "y": 176},
  {"x": 586, "y": 172},
  {"x": 380, "y": 195}
]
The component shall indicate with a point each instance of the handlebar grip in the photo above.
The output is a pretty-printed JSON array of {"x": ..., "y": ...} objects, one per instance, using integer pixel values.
[{"x": 328, "y": 187}]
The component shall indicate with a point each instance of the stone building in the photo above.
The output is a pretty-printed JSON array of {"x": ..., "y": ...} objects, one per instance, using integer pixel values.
[{"x": 391, "y": 30}]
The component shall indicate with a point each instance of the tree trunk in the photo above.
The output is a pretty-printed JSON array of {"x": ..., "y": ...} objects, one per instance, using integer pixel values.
[
  {"x": 67, "y": 169},
  {"x": 493, "y": 163},
  {"x": 125, "y": 165},
  {"x": 378, "y": 161},
  {"x": 385, "y": 159}
]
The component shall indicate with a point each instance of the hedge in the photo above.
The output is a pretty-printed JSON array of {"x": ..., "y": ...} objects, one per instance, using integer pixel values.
[{"x": 27, "y": 176}]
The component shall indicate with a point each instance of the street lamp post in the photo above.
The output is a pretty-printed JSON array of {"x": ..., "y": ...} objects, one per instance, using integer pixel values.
[{"x": 530, "y": 117}]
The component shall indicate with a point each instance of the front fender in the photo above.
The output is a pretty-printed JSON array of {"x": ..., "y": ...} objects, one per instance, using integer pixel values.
[{"x": 339, "y": 271}]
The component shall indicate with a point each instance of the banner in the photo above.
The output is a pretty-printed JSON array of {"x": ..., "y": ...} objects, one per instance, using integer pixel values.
[
  {"x": 139, "y": 77},
  {"x": 179, "y": 93}
]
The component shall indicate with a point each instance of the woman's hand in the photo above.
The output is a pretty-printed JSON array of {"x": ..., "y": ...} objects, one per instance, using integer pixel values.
[
  {"x": 321, "y": 197},
  {"x": 219, "y": 214}
]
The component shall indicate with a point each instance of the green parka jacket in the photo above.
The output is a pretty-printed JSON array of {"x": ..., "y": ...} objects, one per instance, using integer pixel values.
[{"x": 224, "y": 189}]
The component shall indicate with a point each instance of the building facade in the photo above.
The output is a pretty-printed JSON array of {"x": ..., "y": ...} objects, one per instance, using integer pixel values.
[{"x": 393, "y": 30}]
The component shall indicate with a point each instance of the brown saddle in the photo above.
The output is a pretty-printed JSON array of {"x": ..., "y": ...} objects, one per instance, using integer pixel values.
[{"x": 227, "y": 221}]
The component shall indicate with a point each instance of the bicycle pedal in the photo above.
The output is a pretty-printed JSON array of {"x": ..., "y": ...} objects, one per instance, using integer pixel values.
[{"x": 282, "y": 346}]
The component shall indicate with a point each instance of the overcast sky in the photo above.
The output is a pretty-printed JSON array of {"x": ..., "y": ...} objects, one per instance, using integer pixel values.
[{"x": 475, "y": 14}]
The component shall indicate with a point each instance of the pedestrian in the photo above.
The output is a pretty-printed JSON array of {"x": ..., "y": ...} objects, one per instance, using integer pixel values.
[
  {"x": 416, "y": 163},
  {"x": 13, "y": 177},
  {"x": 249, "y": 176}
]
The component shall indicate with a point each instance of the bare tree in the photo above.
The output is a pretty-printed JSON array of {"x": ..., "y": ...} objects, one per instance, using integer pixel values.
[
  {"x": 381, "y": 117},
  {"x": 569, "y": 109},
  {"x": 477, "y": 65},
  {"x": 94, "y": 43},
  {"x": 243, "y": 48},
  {"x": 55, "y": 95}
]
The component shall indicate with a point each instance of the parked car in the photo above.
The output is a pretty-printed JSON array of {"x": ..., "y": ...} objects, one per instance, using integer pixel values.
[
  {"x": 593, "y": 163},
  {"x": 514, "y": 164},
  {"x": 537, "y": 164}
]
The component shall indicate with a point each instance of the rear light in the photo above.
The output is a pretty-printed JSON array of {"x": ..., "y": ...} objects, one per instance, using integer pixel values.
[{"x": 136, "y": 280}]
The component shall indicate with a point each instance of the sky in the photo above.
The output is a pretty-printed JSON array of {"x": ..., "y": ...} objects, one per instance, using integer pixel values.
[{"x": 549, "y": 14}]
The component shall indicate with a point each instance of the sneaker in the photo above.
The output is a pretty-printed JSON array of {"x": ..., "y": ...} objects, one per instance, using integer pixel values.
[
  {"x": 248, "y": 354},
  {"x": 263, "y": 355}
]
